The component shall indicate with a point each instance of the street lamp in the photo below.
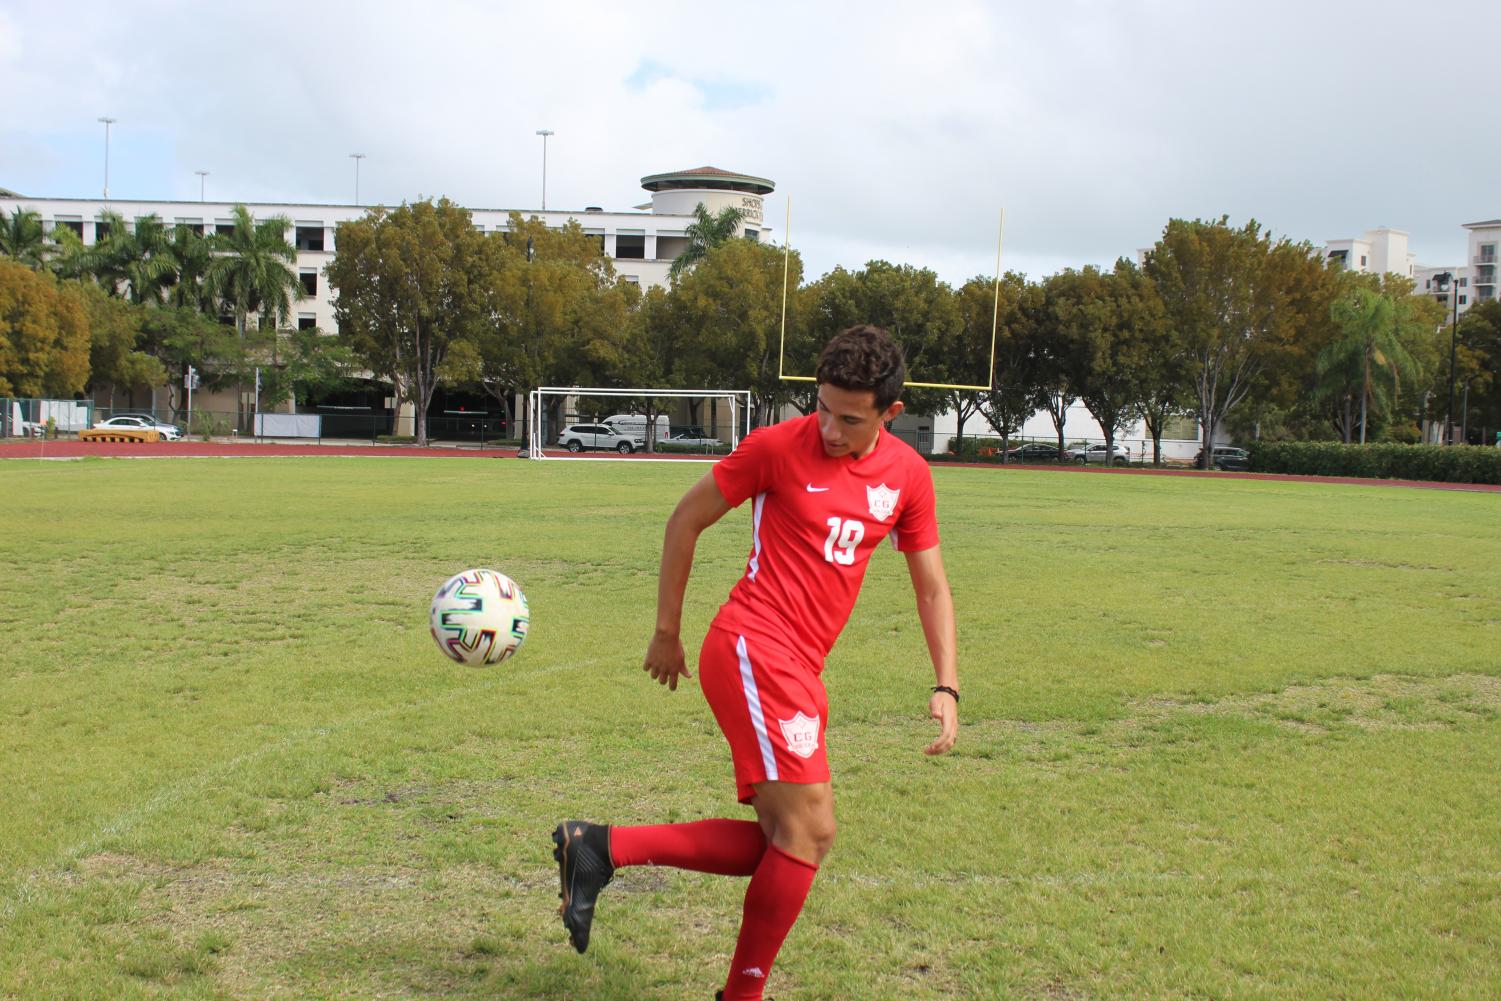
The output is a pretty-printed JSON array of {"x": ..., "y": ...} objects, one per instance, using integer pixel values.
[
  {"x": 1446, "y": 280},
  {"x": 544, "y": 133},
  {"x": 202, "y": 175},
  {"x": 357, "y": 157},
  {"x": 107, "y": 123}
]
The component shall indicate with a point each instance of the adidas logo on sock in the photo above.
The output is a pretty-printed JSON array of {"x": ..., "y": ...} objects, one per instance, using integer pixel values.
[{"x": 753, "y": 971}]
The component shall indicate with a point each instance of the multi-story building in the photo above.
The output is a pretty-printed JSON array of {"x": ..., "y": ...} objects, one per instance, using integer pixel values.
[
  {"x": 1379, "y": 251},
  {"x": 1485, "y": 239},
  {"x": 641, "y": 242}
]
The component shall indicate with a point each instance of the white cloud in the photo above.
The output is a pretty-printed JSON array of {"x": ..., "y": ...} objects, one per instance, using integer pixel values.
[{"x": 899, "y": 130}]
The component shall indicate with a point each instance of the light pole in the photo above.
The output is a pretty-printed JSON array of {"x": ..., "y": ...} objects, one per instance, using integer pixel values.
[
  {"x": 544, "y": 133},
  {"x": 107, "y": 123},
  {"x": 357, "y": 157},
  {"x": 1447, "y": 280},
  {"x": 202, "y": 175}
]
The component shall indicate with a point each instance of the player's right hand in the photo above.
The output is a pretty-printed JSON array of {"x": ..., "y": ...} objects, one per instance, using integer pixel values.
[{"x": 665, "y": 660}]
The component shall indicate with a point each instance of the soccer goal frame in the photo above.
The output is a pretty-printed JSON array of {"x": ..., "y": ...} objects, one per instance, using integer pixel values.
[{"x": 738, "y": 399}]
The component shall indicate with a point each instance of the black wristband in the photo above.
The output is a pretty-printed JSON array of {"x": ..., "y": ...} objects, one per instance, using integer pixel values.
[{"x": 946, "y": 688}]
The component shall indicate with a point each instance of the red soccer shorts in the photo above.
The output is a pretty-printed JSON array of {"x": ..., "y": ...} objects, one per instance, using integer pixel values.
[{"x": 771, "y": 709}]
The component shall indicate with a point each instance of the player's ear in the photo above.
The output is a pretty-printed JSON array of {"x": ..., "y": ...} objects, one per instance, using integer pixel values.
[{"x": 893, "y": 412}]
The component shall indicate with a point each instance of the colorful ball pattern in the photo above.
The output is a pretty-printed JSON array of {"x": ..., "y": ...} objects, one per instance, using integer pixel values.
[{"x": 479, "y": 617}]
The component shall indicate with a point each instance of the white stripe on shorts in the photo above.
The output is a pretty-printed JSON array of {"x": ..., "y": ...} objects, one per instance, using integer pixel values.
[{"x": 753, "y": 703}]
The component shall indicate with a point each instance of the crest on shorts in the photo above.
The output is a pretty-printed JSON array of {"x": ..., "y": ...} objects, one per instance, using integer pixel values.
[
  {"x": 882, "y": 501},
  {"x": 801, "y": 734}
]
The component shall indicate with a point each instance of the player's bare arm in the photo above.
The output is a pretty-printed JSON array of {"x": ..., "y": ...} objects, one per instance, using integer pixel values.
[
  {"x": 935, "y": 608},
  {"x": 700, "y": 507}
]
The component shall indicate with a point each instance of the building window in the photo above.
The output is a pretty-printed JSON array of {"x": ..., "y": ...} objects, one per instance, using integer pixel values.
[
  {"x": 631, "y": 279},
  {"x": 310, "y": 283},
  {"x": 76, "y": 225},
  {"x": 1337, "y": 257},
  {"x": 753, "y": 235},
  {"x": 1362, "y": 260},
  {"x": 1464, "y": 283},
  {"x": 1464, "y": 300},
  {"x": 309, "y": 237},
  {"x": 630, "y": 248},
  {"x": 306, "y": 322},
  {"x": 225, "y": 229},
  {"x": 101, "y": 230}
]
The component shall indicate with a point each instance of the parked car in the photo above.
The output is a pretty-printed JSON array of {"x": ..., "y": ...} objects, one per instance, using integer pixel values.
[
  {"x": 598, "y": 436},
  {"x": 1096, "y": 453},
  {"x": 634, "y": 425},
  {"x": 1226, "y": 457},
  {"x": 1033, "y": 451},
  {"x": 170, "y": 432},
  {"x": 694, "y": 437}
]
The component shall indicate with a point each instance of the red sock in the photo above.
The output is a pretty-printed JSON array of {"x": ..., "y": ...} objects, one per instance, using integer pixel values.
[
  {"x": 723, "y": 847},
  {"x": 773, "y": 901}
]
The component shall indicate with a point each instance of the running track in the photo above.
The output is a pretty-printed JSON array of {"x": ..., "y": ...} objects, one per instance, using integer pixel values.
[{"x": 32, "y": 449}]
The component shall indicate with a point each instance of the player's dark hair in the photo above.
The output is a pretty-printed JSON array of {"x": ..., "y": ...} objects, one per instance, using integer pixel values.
[{"x": 864, "y": 357}]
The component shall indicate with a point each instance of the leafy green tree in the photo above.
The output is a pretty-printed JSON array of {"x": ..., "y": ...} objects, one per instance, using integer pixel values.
[
  {"x": 1478, "y": 370},
  {"x": 1016, "y": 384},
  {"x": 1235, "y": 300},
  {"x": 706, "y": 231},
  {"x": 180, "y": 336},
  {"x": 21, "y": 238},
  {"x": 1113, "y": 321},
  {"x": 115, "y": 359},
  {"x": 558, "y": 314},
  {"x": 413, "y": 282},
  {"x": 308, "y": 363},
  {"x": 44, "y": 335},
  {"x": 726, "y": 317},
  {"x": 1055, "y": 359}
]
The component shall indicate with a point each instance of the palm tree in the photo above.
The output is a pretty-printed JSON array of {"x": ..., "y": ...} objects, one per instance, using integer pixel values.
[
  {"x": 192, "y": 255},
  {"x": 139, "y": 259},
  {"x": 705, "y": 233},
  {"x": 21, "y": 237},
  {"x": 251, "y": 270},
  {"x": 1368, "y": 358}
]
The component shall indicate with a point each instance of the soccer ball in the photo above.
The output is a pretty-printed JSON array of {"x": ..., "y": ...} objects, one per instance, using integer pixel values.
[{"x": 479, "y": 617}]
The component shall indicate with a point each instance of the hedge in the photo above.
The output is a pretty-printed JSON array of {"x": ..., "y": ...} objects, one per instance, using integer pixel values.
[{"x": 1385, "y": 460}]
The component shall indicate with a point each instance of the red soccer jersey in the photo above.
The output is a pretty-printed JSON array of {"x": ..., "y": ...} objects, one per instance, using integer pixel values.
[{"x": 815, "y": 521}]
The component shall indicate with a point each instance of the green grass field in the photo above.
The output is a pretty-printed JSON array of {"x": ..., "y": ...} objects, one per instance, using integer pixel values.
[{"x": 1221, "y": 739}]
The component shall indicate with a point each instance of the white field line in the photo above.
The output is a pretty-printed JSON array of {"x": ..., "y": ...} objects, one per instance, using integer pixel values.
[{"x": 23, "y": 892}]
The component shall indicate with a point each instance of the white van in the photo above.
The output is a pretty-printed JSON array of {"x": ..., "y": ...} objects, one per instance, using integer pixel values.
[{"x": 634, "y": 425}]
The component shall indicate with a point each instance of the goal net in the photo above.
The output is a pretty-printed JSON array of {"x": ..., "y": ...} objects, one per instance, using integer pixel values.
[{"x": 659, "y": 416}]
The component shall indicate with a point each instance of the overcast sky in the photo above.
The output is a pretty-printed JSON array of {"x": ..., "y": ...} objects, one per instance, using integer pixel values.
[{"x": 899, "y": 130}]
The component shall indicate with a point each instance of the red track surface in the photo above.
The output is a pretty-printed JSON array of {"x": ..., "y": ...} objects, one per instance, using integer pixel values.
[{"x": 32, "y": 449}]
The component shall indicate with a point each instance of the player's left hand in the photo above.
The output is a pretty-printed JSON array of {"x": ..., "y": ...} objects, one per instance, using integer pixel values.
[{"x": 943, "y": 708}]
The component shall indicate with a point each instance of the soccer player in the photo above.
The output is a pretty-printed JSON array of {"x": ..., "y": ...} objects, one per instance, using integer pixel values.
[{"x": 825, "y": 490}]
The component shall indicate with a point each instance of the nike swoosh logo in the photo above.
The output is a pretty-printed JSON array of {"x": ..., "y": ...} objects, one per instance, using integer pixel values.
[{"x": 816, "y": 490}]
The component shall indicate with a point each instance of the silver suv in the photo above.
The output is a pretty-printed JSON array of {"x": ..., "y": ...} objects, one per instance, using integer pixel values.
[{"x": 599, "y": 436}]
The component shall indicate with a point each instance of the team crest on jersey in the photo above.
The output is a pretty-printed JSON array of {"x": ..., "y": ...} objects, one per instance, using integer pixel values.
[
  {"x": 801, "y": 734},
  {"x": 882, "y": 501}
]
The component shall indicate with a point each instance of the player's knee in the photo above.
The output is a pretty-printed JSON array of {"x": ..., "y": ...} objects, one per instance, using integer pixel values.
[{"x": 822, "y": 835}]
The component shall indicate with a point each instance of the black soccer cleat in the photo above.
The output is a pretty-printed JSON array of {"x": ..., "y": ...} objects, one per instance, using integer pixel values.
[{"x": 584, "y": 868}]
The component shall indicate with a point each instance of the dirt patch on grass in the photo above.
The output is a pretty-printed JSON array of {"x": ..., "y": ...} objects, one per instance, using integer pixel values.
[{"x": 1383, "y": 701}]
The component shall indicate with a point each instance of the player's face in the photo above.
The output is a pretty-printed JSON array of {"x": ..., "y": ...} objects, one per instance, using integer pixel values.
[{"x": 848, "y": 420}]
